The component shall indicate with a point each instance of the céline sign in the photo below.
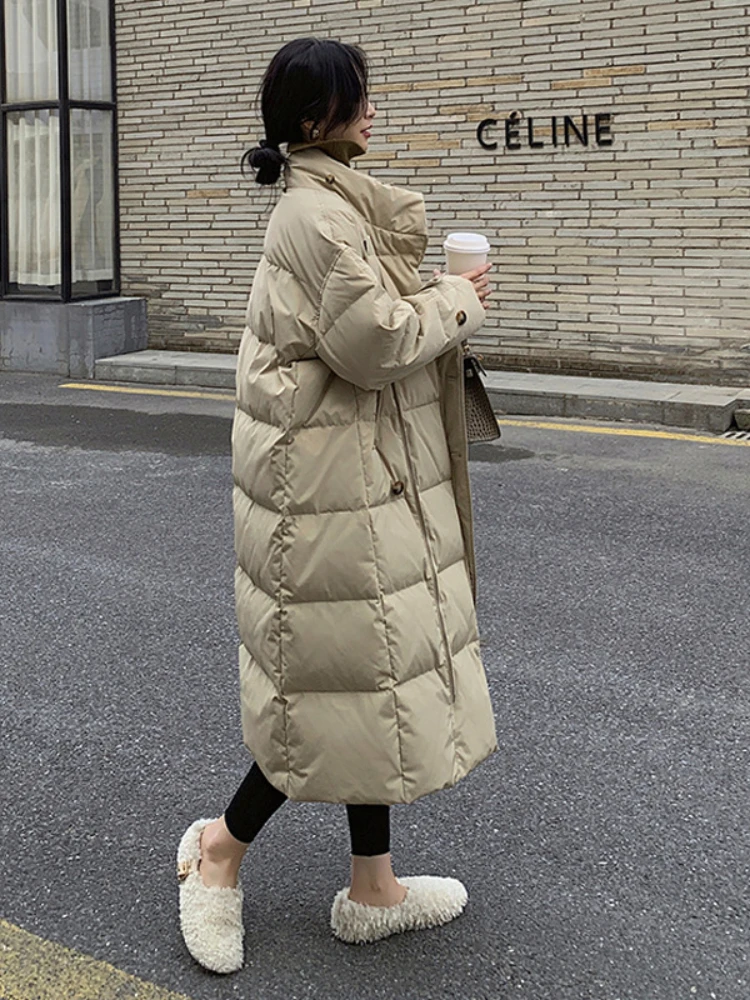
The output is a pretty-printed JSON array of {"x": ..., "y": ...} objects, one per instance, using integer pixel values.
[{"x": 559, "y": 130}]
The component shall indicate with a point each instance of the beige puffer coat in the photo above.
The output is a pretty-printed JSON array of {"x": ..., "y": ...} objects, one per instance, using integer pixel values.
[{"x": 360, "y": 670}]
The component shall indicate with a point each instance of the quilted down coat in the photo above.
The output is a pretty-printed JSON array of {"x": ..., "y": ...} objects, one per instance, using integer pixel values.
[{"x": 360, "y": 672}]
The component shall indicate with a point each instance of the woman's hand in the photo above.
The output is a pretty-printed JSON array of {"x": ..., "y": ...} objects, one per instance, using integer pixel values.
[{"x": 479, "y": 279}]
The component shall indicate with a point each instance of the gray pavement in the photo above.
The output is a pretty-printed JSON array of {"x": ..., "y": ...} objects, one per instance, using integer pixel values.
[
  {"x": 714, "y": 408},
  {"x": 605, "y": 847}
]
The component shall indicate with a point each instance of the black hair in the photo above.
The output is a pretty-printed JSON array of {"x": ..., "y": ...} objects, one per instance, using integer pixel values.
[{"x": 309, "y": 79}]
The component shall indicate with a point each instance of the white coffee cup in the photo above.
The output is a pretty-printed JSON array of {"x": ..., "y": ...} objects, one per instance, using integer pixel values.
[{"x": 465, "y": 252}]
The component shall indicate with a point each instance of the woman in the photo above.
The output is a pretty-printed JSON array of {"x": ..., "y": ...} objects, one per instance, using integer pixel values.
[{"x": 360, "y": 672}]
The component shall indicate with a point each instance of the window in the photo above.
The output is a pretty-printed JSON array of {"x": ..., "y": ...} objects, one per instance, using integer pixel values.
[{"x": 58, "y": 174}]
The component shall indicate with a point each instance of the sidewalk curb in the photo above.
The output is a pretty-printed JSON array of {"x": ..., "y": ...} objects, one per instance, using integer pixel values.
[
  {"x": 208, "y": 371},
  {"x": 699, "y": 407}
]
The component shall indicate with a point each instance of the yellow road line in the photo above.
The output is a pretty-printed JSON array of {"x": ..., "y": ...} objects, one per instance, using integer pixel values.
[
  {"x": 518, "y": 422},
  {"x": 34, "y": 969},
  {"x": 184, "y": 394},
  {"x": 549, "y": 425}
]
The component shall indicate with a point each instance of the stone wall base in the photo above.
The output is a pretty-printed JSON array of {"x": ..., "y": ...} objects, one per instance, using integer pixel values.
[{"x": 66, "y": 338}]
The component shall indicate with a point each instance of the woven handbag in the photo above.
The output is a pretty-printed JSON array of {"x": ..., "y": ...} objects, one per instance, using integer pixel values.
[{"x": 481, "y": 422}]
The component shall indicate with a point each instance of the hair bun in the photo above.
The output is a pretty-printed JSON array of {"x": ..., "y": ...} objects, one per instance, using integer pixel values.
[{"x": 266, "y": 160}]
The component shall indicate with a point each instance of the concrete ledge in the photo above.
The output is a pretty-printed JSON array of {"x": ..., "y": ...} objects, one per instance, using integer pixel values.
[
  {"x": 216, "y": 371},
  {"x": 700, "y": 407},
  {"x": 66, "y": 338}
]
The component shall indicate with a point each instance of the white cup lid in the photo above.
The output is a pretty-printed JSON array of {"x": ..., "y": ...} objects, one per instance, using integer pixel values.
[{"x": 466, "y": 243}]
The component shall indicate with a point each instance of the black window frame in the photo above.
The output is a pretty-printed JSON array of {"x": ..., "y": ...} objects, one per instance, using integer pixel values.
[{"x": 63, "y": 106}]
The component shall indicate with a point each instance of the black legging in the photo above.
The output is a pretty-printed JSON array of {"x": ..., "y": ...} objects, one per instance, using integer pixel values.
[{"x": 256, "y": 800}]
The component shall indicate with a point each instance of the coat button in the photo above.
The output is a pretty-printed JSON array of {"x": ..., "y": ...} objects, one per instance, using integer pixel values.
[
  {"x": 397, "y": 487},
  {"x": 330, "y": 178},
  {"x": 461, "y": 317}
]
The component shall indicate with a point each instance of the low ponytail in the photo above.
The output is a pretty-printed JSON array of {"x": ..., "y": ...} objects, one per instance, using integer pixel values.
[
  {"x": 267, "y": 160},
  {"x": 310, "y": 81}
]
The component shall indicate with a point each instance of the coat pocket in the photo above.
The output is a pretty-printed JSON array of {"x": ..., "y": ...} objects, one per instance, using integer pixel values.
[
  {"x": 388, "y": 467},
  {"x": 378, "y": 409},
  {"x": 377, "y": 447}
]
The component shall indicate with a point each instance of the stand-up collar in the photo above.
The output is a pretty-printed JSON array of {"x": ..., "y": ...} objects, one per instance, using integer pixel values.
[
  {"x": 340, "y": 149},
  {"x": 396, "y": 215}
]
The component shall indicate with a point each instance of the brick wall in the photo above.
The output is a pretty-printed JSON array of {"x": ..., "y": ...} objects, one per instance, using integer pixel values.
[{"x": 630, "y": 259}]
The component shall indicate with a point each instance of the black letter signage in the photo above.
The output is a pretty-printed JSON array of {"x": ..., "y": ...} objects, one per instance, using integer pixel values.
[
  {"x": 483, "y": 125},
  {"x": 585, "y": 130},
  {"x": 603, "y": 129},
  {"x": 512, "y": 133},
  {"x": 533, "y": 143}
]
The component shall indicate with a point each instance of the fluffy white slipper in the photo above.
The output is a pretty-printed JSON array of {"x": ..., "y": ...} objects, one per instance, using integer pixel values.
[
  {"x": 430, "y": 902},
  {"x": 210, "y": 916}
]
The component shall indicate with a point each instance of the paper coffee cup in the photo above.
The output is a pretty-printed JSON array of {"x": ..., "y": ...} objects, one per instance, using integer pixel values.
[{"x": 465, "y": 251}]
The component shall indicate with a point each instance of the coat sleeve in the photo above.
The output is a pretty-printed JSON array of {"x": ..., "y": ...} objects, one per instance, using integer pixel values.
[{"x": 369, "y": 338}]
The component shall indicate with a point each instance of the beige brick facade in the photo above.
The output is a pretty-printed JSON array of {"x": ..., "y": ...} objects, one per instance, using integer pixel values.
[{"x": 631, "y": 259}]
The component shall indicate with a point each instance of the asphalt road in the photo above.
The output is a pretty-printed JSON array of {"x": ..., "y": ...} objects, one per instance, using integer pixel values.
[{"x": 605, "y": 846}]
